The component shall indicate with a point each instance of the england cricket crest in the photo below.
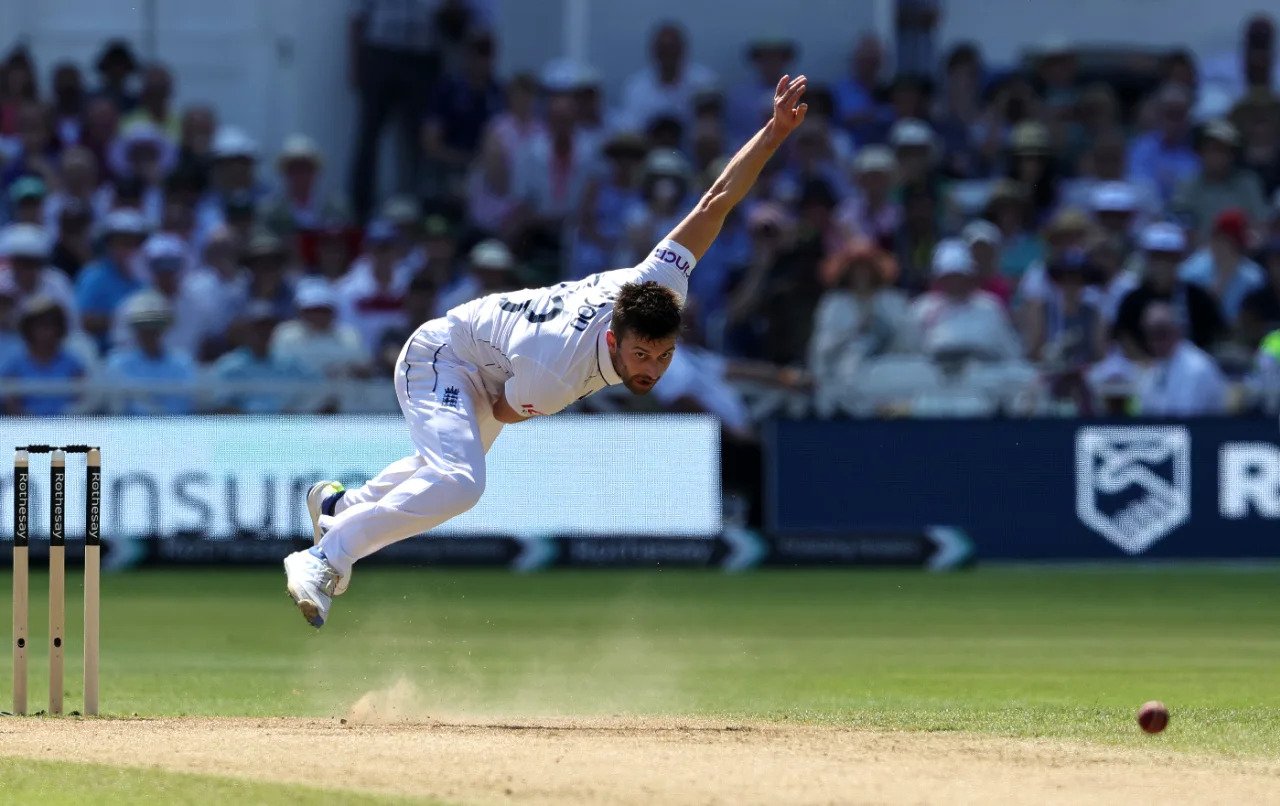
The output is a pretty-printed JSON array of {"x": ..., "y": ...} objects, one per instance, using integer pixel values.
[{"x": 1133, "y": 483}]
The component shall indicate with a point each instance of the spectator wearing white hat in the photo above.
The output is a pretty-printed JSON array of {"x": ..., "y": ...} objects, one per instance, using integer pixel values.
[
  {"x": 1220, "y": 184},
  {"x": 1182, "y": 380},
  {"x": 957, "y": 320},
  {"x": 106, "y": 282},
  {"x": 915, "y": 149},
  {"x": 26, "y": 271},
  {"x": 149, "y": 316},
  {"x": 1115, "y": 209},
  {"x": 871, "y": 211},
  {"x": 315, "y": 338},
  {"x": 491, "y": 269},
  {"x": 984, "y": 242},
  {"x": 1164, "y": 246},
  {"x": 298, "y": 205},
  {"x": 233, "y": 175}
]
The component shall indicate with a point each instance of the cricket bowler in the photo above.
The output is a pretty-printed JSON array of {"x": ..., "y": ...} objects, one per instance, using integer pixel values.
[{"x": 505, "y": 358}]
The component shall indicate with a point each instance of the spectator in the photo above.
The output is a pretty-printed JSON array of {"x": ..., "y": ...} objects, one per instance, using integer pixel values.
[
  {"x": 584, "y": 84},
  {"x": 916, "y": 238},
  {"x": 915, "y": 31},
  {"x": 27, "y": 200},
  {"x": 17, "y": 90},
  {"x": 1251, "y": 67},
  {"x": 491, "y": 270},
  {"x": 959, "y": 110},
  {"x": 195, "y": 142},
  {"x": 606, "y": 200},
  {"x": 1069, "y": 329},
  {"x": 668, "y": 84},
  {"x": 267, "y": 259},
  {"x": 316, "y": 338},
  {"x": 11, "y": 346},
  {"x": 1222, "y": 268},
  {"x": 143, "y": 154},
  {"x": 983, "y": 239},
  {"x": 101, "y": 125},
  {"x": 1031, "y": 162},
  {"x": 68, "y": 103},
  {"x": 1220, "y": 184},
  {"x": 915, "y": 148},
  {"x": 493, "y": 199},
  {"x": 105, "y": 283},
  {"x": 1009, "y": 209},
  {"x": 299, "y": 206},
  {"x": 1182, "y": 380},
  {"x": 420, "y": 305},
  {"x": 1258, "y": 120},
  {"x": 1165, "y": 157},
  {"x": 249, "y": 380},
  {"x": 149, "y": 360},
  {"x": 73, "y": 248},
  {"x": 1068, "y": 231},
  {"x": 116, "y": 65},
  {"x": 45, "y": 357},
  {"x": 1114, "y": 277},
  {"x": 871, "y": 211},
  {"x": 1164, "y": 246},
  {"x": 859, "y": 318},
  {"x": 460, "y": 109},
  {"x": 956, "y": 320},
  {"x": 748, "y": 326},
  {"x": 440, "y": 250},
  {"x": 1097, "y": 112},
  {"x": 551, "y": 177},
  {"x": 858, "y": 106},
  {"x": 750, "y": 103},
  {"x": 221, "y": 285},
  {"x": 393, "y": 61},
  {"x": 1260, "y": 311},
  {"x": 37, "y": 150},
  {"x": 1105, "y": 161},
  {"x": 519, "y": 126},
  {"x": 79, "y": 188},
  {"x": 372, "y": 292},
  {"x": 1115, "y": 209},
  {"x": 664, "y": 190},
  {"x": 154, "y": 102},
  {"x": 28, "y": 274},
  {"x": 234, "y": 176},
  {"x": 165, "y": 258}
]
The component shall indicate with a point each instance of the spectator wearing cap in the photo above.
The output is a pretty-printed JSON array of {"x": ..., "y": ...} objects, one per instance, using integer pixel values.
[
  {"x": 668, "y": 84},
  {"x": 27, "y": 273},
  {"x": 165, "y": 258},
  {"x": 748, "y": 323},
  {"x": 220, "y": 284},
  {"x": 45, "y": 357},
  {"x": 1115, "y": 209},
  {"x": 872, "y": 209},
  {"x": 956, "y": 319},
  {"x": 1222, "y": 267},
  {"x": 371, "y": 294},
  {"x": 983, "y": 239},
  {"x": 116, "y": 65},
  {"x": 1164, "y": 247},
  {"x": 270, "y": 281},
  {"x": 1220, "y": 184},
  {"x": 916, "y": 237},
  {"x": 233, "y": 179},
  {"x": 155, "y": 102},
  {"x": 1031, "y": 161},
  {"x": 26, "y": 200},
  {"x": 298, "y": 206},
  {"x": 460, "y": 108},
  {"x": 1164, "y": 156},
  {"x": 1009, "y": 208},
  {"x": 665, "y": 189},
  {"x": 859, "y": 317},
  {"x": 491, "y": 269},
  {"x": 106, "y": 282},
  {"x": 749, "y": 103},
  {"x": 1181, "y": 380},
  {"x": 858, "y": 107},
  {"x": 248, "y": 379},
  {"x": 915, "y": 150},
  {"x": 68, "y": 103},
  {"x": 148, "y": 359},
  {"x": 608, "y": 197},
  {"x": 143, "y": 156},
  {"x": 316, "y": 339},
  {"x": 1260, "y": 311}
]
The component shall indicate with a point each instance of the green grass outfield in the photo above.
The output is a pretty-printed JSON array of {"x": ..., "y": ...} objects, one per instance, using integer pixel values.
[{"x": 1066, "y": 653}]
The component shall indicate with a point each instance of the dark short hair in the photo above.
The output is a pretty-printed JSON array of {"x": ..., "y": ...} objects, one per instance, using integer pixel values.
[{"x": 649, "y": 310}]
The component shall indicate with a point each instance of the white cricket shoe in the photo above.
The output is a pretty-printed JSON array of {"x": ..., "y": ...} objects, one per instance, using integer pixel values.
[
  {"x": 315, "y": 497},
  {"x": 311, "y": 582}
]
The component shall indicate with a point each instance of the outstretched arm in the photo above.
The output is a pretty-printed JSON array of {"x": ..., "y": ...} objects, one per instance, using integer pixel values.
[{"x": 697, "y": 231}]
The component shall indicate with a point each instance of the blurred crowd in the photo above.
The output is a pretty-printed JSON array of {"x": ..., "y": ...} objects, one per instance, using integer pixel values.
[{"x": 1097, "y": 227}]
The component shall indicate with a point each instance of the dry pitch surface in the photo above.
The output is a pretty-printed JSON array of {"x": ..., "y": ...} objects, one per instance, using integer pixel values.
[{"x": 642, "y": 761}]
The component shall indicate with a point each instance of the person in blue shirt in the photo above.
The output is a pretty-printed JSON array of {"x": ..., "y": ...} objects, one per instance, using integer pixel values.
[
  {"x": 43, "y": 325},
  {"x": 1165, "y": 157},
  {"x": 105, "y": 283},
  {"x": 148, "y": 315},
  {"x": 252, "y": 362}
]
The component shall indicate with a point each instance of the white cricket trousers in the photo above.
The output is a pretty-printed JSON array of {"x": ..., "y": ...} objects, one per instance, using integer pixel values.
[{"x": 451, "y": 423}]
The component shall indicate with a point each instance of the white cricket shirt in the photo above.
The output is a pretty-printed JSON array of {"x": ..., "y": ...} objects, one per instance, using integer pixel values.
[{"x": 546, "y": 346}]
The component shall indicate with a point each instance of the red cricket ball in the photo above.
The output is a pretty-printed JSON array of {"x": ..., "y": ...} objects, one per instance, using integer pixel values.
[{"x": 1153, "y": 717}]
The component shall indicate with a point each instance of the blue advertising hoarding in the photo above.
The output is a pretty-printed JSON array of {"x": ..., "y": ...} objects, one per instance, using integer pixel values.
[{"x": 1036, "y": 489}]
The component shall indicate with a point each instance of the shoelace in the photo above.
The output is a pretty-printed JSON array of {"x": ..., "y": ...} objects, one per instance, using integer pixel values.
[{"x": 329, "y": 580}]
